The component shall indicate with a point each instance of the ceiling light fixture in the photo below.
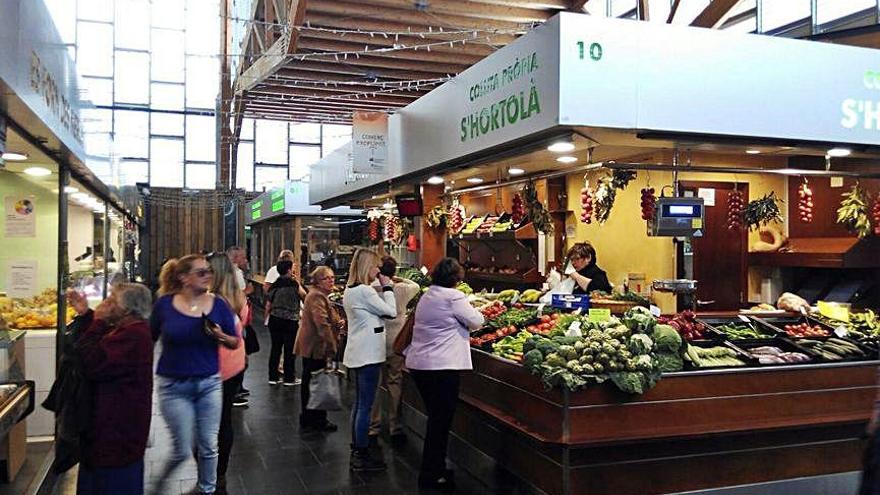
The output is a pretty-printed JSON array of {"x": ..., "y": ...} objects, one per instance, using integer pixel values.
[
  {"x": 838, "y": 152},
  {"x": 70, "y": 189},
  {"x": 475, "y": 180},
  {"x": 566, "y": 159},
  {"x": 435, "y": 180},
  {"x": 37, "y": 171},
  {"x": 753, "y": 152},
  {"x": 561, "y": 147},
  {"x": 14, "y": 156},
  {"x": 516, "y": 171},
  {"x": 328, "y": 219}
]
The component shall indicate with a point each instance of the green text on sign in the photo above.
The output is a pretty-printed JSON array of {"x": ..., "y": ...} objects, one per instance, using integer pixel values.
[
  {"x": 597, "y": 315},
  {"x": 595, "y": 50}
]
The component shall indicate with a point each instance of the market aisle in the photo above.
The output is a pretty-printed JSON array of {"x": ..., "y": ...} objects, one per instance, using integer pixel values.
[{"x": 271, "y": 456}]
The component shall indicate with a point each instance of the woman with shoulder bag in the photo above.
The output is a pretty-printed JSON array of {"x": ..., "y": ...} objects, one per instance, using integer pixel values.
[
  {"x": 317, "y": 343},
  {"x": 439, "y": 351},
  {"x": 284, "y": 304},
  {"x": 364, "y": 354}
]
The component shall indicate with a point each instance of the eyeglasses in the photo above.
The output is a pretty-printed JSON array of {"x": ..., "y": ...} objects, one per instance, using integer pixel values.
[
  {"x": 328, "y": 277},
  {"x": 203, "y": 272}
]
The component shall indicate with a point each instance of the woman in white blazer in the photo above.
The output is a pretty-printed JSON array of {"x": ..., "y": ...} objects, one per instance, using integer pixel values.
[{"x": 366, "y": 311}]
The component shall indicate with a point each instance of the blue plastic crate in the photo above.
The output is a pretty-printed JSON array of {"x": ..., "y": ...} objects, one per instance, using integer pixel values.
[{"x": 571, "y": 301}]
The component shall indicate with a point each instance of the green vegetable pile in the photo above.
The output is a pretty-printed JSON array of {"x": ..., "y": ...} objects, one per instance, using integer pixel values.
[
  {"x": 511, "y": 347},
  {"x": 742, "y": 332},
  {"x": 415, "y": 275},
  {"x": 711, "y": 357},
  {"x": 864, "y": 327},
  {"x": 832, "y": 349},
  {"x": 516, "y": 317},
  {"x": 617, "y": 350}
]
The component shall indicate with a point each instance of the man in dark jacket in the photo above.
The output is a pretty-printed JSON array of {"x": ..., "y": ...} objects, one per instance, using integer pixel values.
[{"x": 116, "y": 352}]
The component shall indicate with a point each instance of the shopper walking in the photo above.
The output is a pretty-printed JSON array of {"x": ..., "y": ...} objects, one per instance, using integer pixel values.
[
  {"x": 284, "y": 304},
  {"x": 365, "y": 350},
  {"x": 232, "y": 361},
  {"x": 116, "y": 353},
  {"x": 440, "y": 349},
  {"x": 317, "y": 343},
  {"x": 191, "y": 323},
  {"x": 392, "y": 370},
  {"x": 272, "y": 272}
]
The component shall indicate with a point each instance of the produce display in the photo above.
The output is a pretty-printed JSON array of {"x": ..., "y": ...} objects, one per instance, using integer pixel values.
[
  {"x": 712, "y": 357},
  {"x": 805, "y": 203},
  {"x": 805, "y": 330},
  {"x": 833, "y": 349},
  {"x": 545, "y": 324},
  {"x": 853, "y": 211},
  {"x": 517, "y": 211},
  {"x": 488, "y": 225},
  {"x": 649, "y": 203},
  {"x": 535, "y": 211},
  {"x": 373, "y": 230},
  {"x": 586, "y": 204},
  {"x": 491, "y": 311},
  {"x": 606, "y": 192},
  {"x": 741, "y": 331},
  {"x": 687, "y": 325},
  {"x": 518, "y": 317},
  {"x": 774, "y": 355},
  {"x": 40, "y": 311},
  {"x": 530, "y": 296},
  {"x": 504, "y": 270},
  {"x": 864, "y": 327},
  {"x": 598, "y": 296},
  {"x": 511, "y": 347},
  {"x": 472, "y": 225},
  {"x": 456, "y": 217},
  {"x": 875, "y": 214},
  {"x": 735, "y": 204}
]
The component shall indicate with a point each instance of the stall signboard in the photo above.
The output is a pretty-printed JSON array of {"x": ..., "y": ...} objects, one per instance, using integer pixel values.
[
  {"x": 290, "y": 199},
  {"x": 20, "y": 216},
  {"x": 21, "y": 278},
  {"x": 37, "y": 68},
  {"x": 369, "y": 142},
  {"x": 668, "y": 78}
]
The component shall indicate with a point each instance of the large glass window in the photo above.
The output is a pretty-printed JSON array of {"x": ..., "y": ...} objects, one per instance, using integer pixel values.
[
  {"x": 167, "y": 55},
  {"x": 166, "y": 157},
  {"x": 201, "y": 138},
  {"x": 271, "y": 142},
  {"x": 832, "y": 10},
  {"x": 201, "y": 175},
  {"x": 167, "y": 96},
  {"x": 96, "y": 91},
  {"x": 776, "y": 15},
  {"x": 132, "y": 31},
  {"x": 302, "y": 157},
  {"x": 269, "y": 177},
  {"x": 245, "y": 166},
  {"x": 132, "y": 84},
  {"x": 94, "y": 49},
  {"x": 166, "y": 124},
  {"x": 131, "y": 135}
]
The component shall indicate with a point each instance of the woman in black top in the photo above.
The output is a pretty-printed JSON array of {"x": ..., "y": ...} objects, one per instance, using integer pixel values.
[
  {"x": 587, "y": 277},
  {"x": 285, "y": 300}
]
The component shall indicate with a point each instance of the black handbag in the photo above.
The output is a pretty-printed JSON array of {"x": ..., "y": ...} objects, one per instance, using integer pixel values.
[{"x": 251, "y": 342}]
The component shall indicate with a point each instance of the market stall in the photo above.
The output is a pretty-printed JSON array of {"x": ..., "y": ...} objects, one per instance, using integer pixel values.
[{"x": 686, "y": 187}]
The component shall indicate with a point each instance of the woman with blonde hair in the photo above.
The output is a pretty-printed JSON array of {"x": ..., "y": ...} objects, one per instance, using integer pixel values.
[
  {"x": 232, "y": 361},
  {"x": 365, "y": 351},
  {"x": 192, "y": 322}
]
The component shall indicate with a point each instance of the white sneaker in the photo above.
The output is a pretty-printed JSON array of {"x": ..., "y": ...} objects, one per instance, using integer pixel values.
[
  {"x": 294, "y": 383},
  {"x": 274, "y": 382}
]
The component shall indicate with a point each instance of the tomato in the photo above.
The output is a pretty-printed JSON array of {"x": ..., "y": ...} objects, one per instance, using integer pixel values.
[{"x": 545, "y": 318}]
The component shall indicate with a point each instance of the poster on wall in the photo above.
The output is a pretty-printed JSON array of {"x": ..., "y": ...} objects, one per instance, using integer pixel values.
[
  {"x": 369, "y": 142},
  {"x": 21, "y": 279},
  {"x": 21, "y": 218}
]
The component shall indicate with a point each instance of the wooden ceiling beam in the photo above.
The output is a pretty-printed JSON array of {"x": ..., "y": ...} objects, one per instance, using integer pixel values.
[
  {"x": 714, "y": 13},
  {"x": 317, "y": 76},
  {"x": 469, "y": 47},
  {"x": 467, "y": 8},
  {"x": 326, "y": 109},
  {"x": 320, "y": 95},
  {"x": 275, "y": 56},
  {"x": 643, "y": 10},
  {"x": 577, "y": 5},
  {"x": 320, "y": 19},
  {"x": 345, "y": 89},
  {"x": 333, "y": 69},
  {"x": 401, "y": 64},
  {"x": 422, "y": 55},
  {"x": 530, "y": 4},
  {"x": 295, "y": 17},
  {"x": 357, "y": 11},
  {"x": 308, "y": 113}
]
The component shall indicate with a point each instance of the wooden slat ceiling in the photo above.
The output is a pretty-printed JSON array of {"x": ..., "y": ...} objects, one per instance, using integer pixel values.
[{"x": 320, "y": 69}]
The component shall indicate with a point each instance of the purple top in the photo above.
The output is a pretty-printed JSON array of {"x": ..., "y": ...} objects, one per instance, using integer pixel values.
[{"x": 441, "y": 339}]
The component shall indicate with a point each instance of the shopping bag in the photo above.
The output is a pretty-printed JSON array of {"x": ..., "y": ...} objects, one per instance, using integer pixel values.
[
  {"x": 404, "y": 338},
  {"x": 251, "y": 343},
  {"x": 325, "y": 390}
]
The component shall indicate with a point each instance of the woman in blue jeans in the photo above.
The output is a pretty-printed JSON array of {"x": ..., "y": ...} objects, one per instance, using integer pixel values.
[
  {"x": 365, "y": 351},
  {"x": 191, "y": 323}
]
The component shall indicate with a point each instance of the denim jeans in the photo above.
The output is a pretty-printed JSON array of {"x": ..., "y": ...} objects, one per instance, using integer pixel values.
[
  {"x": 191, "y": 408},
  {"x": 125, "y": 480},
  {"x": 366, "y": 381}
]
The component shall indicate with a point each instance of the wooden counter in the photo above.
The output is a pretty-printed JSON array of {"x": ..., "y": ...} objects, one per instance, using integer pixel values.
[{"x": 694, "y": 430}]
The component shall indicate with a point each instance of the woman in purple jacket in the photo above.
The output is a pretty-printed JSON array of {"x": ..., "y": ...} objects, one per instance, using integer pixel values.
[{"x": 440, "y": 349}]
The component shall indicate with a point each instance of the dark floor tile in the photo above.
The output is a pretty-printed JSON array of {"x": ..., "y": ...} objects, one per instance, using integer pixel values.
[{"x": 328, "y": 477}]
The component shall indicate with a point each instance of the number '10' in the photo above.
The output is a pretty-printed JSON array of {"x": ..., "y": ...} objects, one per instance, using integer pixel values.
[{"x": 595, "y": 50}]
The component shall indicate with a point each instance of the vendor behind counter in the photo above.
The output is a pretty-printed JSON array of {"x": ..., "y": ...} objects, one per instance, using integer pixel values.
[{"x": 587, "y": 276}]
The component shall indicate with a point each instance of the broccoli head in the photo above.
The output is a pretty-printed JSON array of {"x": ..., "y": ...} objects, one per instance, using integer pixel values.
[
  {"x": 533, "y": 359},
  {"x": 547, "y": 346},
  {"x": 554, "y": 360}
]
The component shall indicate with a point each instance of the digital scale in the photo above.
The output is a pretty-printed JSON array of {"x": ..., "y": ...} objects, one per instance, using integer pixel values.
[{"x": 678, "y": 217}]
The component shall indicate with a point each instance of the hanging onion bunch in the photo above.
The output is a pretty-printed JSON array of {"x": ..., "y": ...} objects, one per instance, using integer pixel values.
[
  {"x": 735, "y": 203},
  {"x": 535, "y": 210},
  {"x": 649, "y": 203},
  {"x": 853, "y": 211},
  {"x": 518, "y": 211},
  {"x": 762, "y": 211},
  {"x": 586, "y": 203},
  {"x": 805, "y": 203},
  {"x": 875, "y": 215},
  {"x": 455, "y": 216}
]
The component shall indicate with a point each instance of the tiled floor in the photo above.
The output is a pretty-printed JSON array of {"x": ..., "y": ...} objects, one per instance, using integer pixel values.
[
  {"x": 36, "y": 455},
  {"x": 271, "y": 456}
]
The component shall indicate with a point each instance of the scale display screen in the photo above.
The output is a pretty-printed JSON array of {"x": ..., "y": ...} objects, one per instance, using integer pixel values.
[{"x": 682, "y": 211}]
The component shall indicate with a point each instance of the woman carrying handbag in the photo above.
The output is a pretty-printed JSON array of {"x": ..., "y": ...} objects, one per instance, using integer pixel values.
[{"x": 317, "y": 342}]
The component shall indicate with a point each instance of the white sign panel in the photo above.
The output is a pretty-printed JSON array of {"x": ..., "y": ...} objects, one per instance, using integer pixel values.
[
  {"x": 20, "y": 217},
  {"x": 708, "y": 196},
  {"x": 21, "y": 279},
  {"x": 660, "y": 77},
  {"x": 369, "y": 142}
]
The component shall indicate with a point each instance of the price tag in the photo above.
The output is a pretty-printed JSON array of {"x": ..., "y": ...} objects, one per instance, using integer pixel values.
[
  {"x": 574, "y": 330},
  {"x": 744, "y": 318},
  {"x": 540, "y": 309},
  {"x": 841, "y": 331},
  {"x": 578, "y": 311},
  {"x": 597, "y": 315},
  {"x": 655, "y": 311},
  {"x": 424, "y": 270},
  {"x": 515, "y": 298}
]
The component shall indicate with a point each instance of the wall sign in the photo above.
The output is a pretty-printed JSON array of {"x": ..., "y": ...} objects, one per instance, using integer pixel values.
[
  {"x": 369, "y": 142},
  {"x": 20, "y": 217},
  {"x": 21, "y": 279}
]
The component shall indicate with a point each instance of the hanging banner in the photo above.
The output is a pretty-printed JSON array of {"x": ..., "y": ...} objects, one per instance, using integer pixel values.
[
  {"x": 21, "y": 279},
  {"x": 21, "y": 218},
  {"x": 369, "y": 142}
]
